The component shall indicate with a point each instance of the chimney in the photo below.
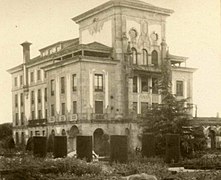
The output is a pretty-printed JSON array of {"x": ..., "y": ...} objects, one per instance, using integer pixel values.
[{"x": 26, "y": 51}]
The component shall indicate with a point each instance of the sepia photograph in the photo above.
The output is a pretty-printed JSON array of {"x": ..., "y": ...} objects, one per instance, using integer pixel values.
[{"x": 110, "y": 90}]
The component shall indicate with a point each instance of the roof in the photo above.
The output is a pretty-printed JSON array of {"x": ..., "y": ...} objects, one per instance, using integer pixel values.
[
  {"x": 70, "y": 41},
  {"x": 176, "y": 59},
  {"x": 15, "y": 69},
  {"x": 135, "y": 4},
  {"x": 73, "y": 46}
]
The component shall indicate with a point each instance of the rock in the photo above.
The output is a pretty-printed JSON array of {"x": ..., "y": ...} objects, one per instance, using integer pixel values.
[{"x": 142, "y": 176}]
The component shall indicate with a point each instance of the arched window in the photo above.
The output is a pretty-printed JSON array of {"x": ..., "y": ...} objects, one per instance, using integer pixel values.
[
  {"x": 17, "y": 138},
  {"x": 63, "y": 132},
  {"x": 134, "y": 55},
  {"x": 154, "y": 58},
  {"x": 23, "y": 138},
  {"x": 145, "y": 57}
]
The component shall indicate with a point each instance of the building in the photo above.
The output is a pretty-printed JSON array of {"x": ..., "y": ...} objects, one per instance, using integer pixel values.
[{"x": 101, "y": 82}]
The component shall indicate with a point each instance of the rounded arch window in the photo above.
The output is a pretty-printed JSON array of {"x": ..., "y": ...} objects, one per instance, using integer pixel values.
[
  {"x": 154, "y": 58},
  {"x": 63, "y": 132},
  {"x": 134, "y": 55},
  {"x": 145, "y": 57}
]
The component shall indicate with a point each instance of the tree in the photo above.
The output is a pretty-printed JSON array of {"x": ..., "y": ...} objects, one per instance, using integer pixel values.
[
  {"x": 6, "y": 139},
  {"x": 5, "y": 130},
  {"x": 168, "y": 117}
]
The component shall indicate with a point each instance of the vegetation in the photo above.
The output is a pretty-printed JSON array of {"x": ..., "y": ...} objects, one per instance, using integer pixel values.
[
  {"x": 29, "y": 168},
  {"x": 171, "y": 116},
  {"x": 6, "y": 140}
]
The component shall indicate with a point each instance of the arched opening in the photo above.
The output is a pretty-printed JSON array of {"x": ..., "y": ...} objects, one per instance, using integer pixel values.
[
  {"x": 134, "y": 55},
  {"x": 53, "y": 132},
  {"x": 212, "y": 136},
  {"x": 63, "y": 132},
  {"x": 50, "y": 147},
  {"x": 74, "y": 131},
  {"x": 145, "y": 57},
  {"x": 16, "y": 138},
  {"x": 154, "y": 58},
  {"x": 98, "y": 141},
  {"x": 23, "y": 138}
]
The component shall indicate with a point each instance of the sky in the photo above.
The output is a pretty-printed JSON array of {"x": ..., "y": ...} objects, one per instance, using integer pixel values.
[{"x": 193, "y": 30}]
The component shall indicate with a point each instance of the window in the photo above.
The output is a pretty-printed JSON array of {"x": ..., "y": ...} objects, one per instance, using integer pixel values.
[
  {"x": 63, "y": 133},
  {"x": 43, "y": 133},
  {"x": 144, "y": 107},
  {"x": 74, "y": 107},
  {"x": 74, "y": 82},
  {"x": 154, "y": 58},
  {"x": 16, "y": 100},
  {"x": 16, "y": 119},
  {"x": 46, "y": 95},
  {"x": 52, "y": 87},
  {"x": 144, "y": 84},
  {"x": 135, "y": 84},
  {"x": 46, "y": 113},
  {"x": 63, "y": 109},
  {"x": 155, "y": 86},
  {"x": 23, "y": 138},
  {"x": 33, "y": 115},
  {"x": 52, "y": 110},
  {"x": 16, "y": 137},
  {"x": 32, "y": 97},
  {"x": 39, "y": 75},
  {"x": 135, "y": 107},
  {"x": 134, "y": 55},
  {"x": 39, "y": 96},
  {"x": 39, "y": 114},
  {"x": 15, "y": 81},
  {"x": 179, "y": 88},
  {"x": 22, "y": 118},
  {"x": 21, "y": 80},
  {"x": 32, "y": 76},
  {"x": 31, "y": 133},
  {"x": 62, "y": 85},
  {"x": 21, "y": 99},
  {"x": 145, "y": 57},
  {"x": 98, "y": 82},
  {"x": 98, "y": 107}
]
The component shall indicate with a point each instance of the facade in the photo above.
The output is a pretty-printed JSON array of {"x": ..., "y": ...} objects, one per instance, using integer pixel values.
[{"x": 101, "y": 82}]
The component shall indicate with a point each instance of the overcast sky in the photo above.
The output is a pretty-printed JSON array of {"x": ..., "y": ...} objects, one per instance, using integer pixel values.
[{"x": 192, "y": 31}]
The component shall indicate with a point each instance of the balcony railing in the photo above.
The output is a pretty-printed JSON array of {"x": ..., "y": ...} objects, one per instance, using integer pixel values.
[
  {"x": 99, "y": 116},
  {"x": 37, "y": 122}
]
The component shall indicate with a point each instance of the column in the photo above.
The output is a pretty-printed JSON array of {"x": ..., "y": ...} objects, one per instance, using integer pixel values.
[
  {"x": 19, "y": 107},
  {"x": 173, "y": 87},
  {"x": 106, "y": 90},
  {"x": 36, "y": 103},
  {"x": 68, "y": 89},
  {"x": 43, "y": 102},
  {"x": 57, "y": 94},
  {"x": 42, "y": 75},
  {"x": 151, "y": 94},
  {"x": 91, "y": 78},
  {"x": 27, "y": 105},
  {"x": 35, "y": 75},
  {"x": 185, "y": 89}
]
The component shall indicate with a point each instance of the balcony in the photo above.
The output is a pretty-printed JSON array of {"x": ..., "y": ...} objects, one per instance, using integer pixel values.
[
  {"x": 37, "y": 122},
  {"x": 74, "y": 117},
  {"x": 147, "y": 68},
  {"x": 62, "y": 118},
  {"x": 99, "y": 116}
]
